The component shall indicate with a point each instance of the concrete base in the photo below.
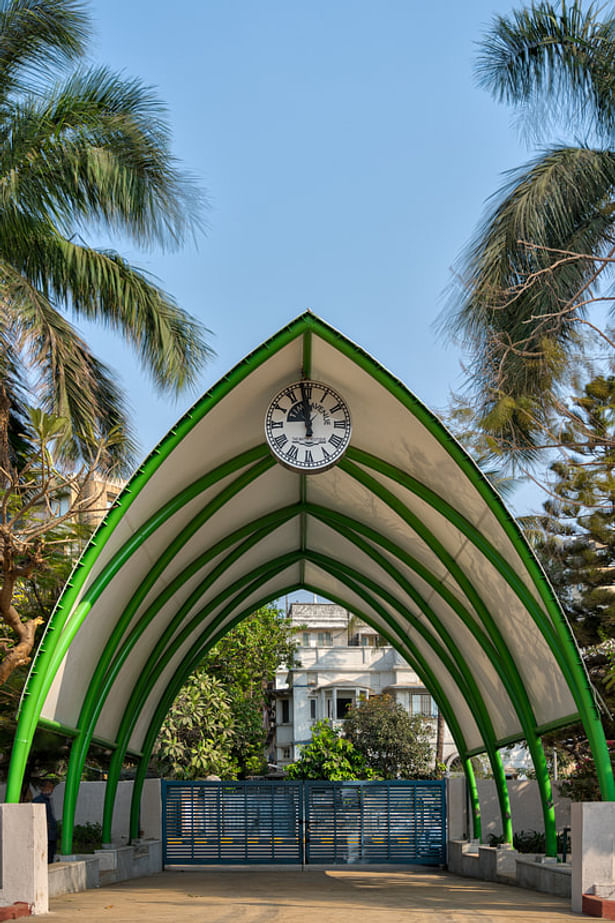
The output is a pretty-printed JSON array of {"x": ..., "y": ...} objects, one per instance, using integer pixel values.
[
  {"x": 593, "y": 849},
  {"x": 549, "y": 877},
  {"x": 506, "y": 866},
  {"x": 105, "y": 867},
  {"x": 24, "y": 856}
]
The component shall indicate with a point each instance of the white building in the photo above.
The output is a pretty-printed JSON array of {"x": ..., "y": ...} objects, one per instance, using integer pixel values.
[{"x": 341, "y": 661}]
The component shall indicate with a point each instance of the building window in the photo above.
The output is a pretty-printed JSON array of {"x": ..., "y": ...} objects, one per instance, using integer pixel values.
[
  {"x": 423, "y": 705},
  {"x": 342, "y": 707},
  {"x": 306, "y": 639},
  {"x": 324, "y": 639},
  {"x": 313, "y": 709},
  {"x": 286, "y": 753},
  {"x": 285, "y": 711}
]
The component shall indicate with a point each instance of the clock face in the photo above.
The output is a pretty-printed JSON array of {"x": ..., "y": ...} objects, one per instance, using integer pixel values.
[{"x": 308, "y": 426}]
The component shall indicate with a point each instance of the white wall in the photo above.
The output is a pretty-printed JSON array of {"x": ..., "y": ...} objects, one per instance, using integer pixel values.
[
  {"x": 525, "y": 807},
  {"x": 90, "y": 807}
]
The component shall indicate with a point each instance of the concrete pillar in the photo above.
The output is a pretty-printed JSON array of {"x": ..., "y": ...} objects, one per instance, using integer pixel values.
[
  {"x": 593, "y": 848},
  {"x": 456, "y": 803},
  {"x": 24, "y": 856},
  {"x": 333, "y": 704}
]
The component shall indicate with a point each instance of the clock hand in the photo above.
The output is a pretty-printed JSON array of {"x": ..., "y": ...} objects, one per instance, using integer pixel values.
[{"x": 306, "y": 412}]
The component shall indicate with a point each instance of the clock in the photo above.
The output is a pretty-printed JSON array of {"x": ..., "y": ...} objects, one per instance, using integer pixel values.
[{"x": 307, "y": 426}]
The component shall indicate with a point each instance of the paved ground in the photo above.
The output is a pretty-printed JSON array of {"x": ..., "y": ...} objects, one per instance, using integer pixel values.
[{"x": 332, "y": 896}]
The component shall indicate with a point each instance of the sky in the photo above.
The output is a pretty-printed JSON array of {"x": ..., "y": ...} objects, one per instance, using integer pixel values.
[{"x": 346, "y": 153}]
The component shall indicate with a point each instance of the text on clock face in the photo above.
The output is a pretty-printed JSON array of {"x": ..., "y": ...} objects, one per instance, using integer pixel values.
[{"x": 308, "y": 426}]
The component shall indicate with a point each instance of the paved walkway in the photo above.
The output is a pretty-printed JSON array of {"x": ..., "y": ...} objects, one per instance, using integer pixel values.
[{"x": 336, "y": 895}]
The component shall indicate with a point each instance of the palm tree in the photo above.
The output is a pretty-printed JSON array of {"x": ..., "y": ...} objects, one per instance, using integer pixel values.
[
  {"x": 82, "y": 148},
  {"x": 542, "y": 255}
]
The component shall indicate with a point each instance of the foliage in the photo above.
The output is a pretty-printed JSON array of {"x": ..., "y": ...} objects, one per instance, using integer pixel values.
[
  {"x": 577, "y": 544},
  {"x": 245, "y": 661},
  {"x": 221, "y": 722},
  {"x": 84, "y": 149},
  {"x": 42, "y": 507},
  {"x": 394, "y": 744},
  {"x": 196, "y": 737},
  {"x": 480, "y": 765},
  {"x": 86, "y": 837},
  {"x": 540, "y": 259},
  {"x": 575, "y": 540},
  {"x": 530, "y": 841},
  {"x": 330, "y": 756}
]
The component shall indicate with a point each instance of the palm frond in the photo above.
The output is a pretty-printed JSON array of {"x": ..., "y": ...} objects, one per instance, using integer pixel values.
[
  {"x": 71, "y": 381},
  {"x": 96, "y": 148},
  {"x": 526, "y": 278},
  {"x": 553, "y": 59},
  {"x": 102, "y": 286},
  {"x": 36, "y": 36}
]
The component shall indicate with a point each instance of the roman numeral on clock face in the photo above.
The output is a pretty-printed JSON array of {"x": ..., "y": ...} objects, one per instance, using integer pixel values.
[
  {"x": 281, "y": 441},
  {"x": 308, "y": 458},
  {"x": 291, "y": 455},
  {"x": 339, "y": 424},
  {"x": 336, "y": 441},
  {"x": 336, "y": 408}
]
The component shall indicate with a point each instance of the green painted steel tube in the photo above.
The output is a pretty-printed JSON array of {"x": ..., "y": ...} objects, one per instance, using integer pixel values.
[
  {"x": 98, "y": 693},
  {"x": 465, "y": 683},
  {"x": 49, "y": 659},
  {"x": 101, "y": 682},
  {"x": 177, "y": 681},
  {"x": 498, "y": 773},
  {"x": 132, "y": 699},
  {"x": 499, "y": 657},
  {"x": 587, "y": 709},
  {"x": 152, "y": 669},
  {"x": 307, "y": 354},
  {"x": 474, "y": 799},
  {"x": 555, "y": 629}
]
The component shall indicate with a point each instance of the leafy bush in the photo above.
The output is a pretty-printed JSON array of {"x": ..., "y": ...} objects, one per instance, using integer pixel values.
[
  {"x": 86, "y": 837},
  {"x": 329, "y": 756},
  {"x": 529, "y": 841}
]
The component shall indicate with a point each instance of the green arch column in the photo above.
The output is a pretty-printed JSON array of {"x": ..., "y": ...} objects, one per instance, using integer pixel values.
[
  {"x": 466, "y": 684},
  {"x": 58, "y": 637},
  {"x": 557, "y": 637},
  {"x": 102, "y": 682},
  {"x": 177, "y": 681},
  {"x": 155, "y": 664},
  {"x": 497, "y": 652}
]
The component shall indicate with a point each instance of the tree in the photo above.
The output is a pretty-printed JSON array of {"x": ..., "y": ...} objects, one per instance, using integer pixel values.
[
  {"x": 393, "y": 744},
  {"x": 245, "y": 661},
  {"x": 82, "y": 148},
  {"x": 543, "y": 252},
  {"x": 575, "y": 539},
  {"x": 221, "y": 723},
  {"x": 330, "y": 756},
  {"x": 42, "y": 504},
  {"x": 195, "y": 739}
]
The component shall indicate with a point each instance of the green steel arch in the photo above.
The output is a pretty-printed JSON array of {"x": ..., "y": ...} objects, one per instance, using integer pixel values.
[{"x": 405, "y": 531}]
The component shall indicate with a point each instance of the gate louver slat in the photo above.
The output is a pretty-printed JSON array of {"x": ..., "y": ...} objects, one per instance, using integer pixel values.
[
  {"x": 207, "y": 823},
  {"x": 232, "y": 822}
]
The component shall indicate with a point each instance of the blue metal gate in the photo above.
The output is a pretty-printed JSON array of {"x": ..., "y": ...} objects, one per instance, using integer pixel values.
[
  {"x": 211, "y": 823},
  {"x": 205, "y": 823},
  {"x": 397, "y": 822}
]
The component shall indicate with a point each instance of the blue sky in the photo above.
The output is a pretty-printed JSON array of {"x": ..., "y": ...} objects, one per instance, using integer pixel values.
[{"x": 346, "y": 153}]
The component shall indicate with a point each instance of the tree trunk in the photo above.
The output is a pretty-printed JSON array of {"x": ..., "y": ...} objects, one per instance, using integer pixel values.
[{"x": 440, "y": 738}]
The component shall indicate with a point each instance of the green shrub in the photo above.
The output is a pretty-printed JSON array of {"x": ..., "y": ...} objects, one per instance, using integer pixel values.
[{"x": 86, "y": 837}]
